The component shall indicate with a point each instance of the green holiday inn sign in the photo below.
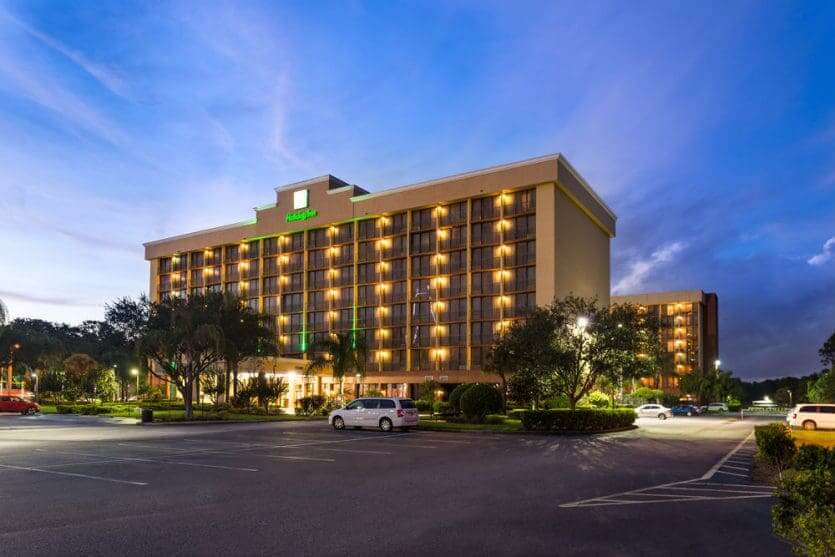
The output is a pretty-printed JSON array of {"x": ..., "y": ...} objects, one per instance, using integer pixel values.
[{"x": 304, "y": 214}]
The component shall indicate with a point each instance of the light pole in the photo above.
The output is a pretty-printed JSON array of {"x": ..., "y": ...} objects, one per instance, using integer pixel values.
[
  {"x": 34, "y": 375},
  {"x": 135, "y": 373},
  {"x": 716, "y": 364},
  {"x": 10, "y": 372}
]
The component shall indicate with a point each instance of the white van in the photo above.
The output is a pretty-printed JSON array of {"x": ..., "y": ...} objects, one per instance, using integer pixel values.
[
  {"x": 812, "y": 416},
  {"x": 384, "y": 413}
]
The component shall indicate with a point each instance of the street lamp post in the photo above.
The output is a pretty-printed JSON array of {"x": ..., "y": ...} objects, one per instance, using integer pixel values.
[
  {"x": 34, "y": 375},
  {"x": 716, "y": 364},
  {"x": 135, "y": 373},
  {"x": 10, "y": 371}
]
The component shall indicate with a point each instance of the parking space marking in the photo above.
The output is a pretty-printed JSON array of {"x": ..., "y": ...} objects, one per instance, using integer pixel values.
[
  {"x": 709, "y": 474},
  {"x": 151, "y": 460},
  {"x": 357, "y": 451},
  {"x": 71, "y": 474},
  {"x": 288, "y": 457}
]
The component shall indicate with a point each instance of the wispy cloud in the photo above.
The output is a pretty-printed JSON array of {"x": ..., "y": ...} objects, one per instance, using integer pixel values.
[
  {"x": 47, "y": 300},
  {"x": 825, "y": 255},
  {"x": 640, "y": 269}
]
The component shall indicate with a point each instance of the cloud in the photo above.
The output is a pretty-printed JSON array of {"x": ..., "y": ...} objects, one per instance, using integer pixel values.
[
  {"x": 48, "y": 300},
  {"x": 825, "y": 255},
  {"x": 641, "y": 268}
]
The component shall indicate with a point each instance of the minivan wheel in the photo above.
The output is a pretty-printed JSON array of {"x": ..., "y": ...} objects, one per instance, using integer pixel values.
[
  {"x": 385, "y": 424},
  {"x": 662, "y": 416},
  {"x": 338, "y": 423},
  {"x": 809, "y": 424}
]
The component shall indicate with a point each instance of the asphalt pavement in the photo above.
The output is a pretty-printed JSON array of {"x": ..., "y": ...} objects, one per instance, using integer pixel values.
[{"x": 93, "y": 486}]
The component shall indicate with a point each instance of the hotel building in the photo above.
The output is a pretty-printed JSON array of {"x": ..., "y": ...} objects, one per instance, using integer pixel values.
[
  {"x": 428, "y": 273},
  {"x": 689, "y": 329}
]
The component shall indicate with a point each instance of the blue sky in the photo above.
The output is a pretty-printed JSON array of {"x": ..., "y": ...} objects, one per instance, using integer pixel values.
[{"x": 709, "y": 128}]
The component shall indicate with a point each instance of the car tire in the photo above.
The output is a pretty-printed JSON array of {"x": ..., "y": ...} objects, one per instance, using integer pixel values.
[
  {"x": 338, "y": 423},
  {"x": 662, "y": 416},
  {"x": 386, "y": 425},
  {"x": 810, "y": 425}
]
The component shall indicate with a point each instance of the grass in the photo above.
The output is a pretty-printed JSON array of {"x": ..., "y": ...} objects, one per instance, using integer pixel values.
[
  {"x": 818, "y": 437},
  {"x": 201, "y": 413},
  {"x": 441, "y": 425}
]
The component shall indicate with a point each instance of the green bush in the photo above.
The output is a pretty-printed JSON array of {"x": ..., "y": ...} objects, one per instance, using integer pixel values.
[
  {"x": 804, "y": 511},
  {"x": 455, "y": 395},
  {"x": 495, "y": 419},
  {"x": 443, "y": 408},
  {"x": 596, "y": 399},
  {"x": 479, "y": 400},
  {"x": 815, "y": 457},
  {"x": 559, "y": 401},
  {"x": 517, "y": 413},
  {"x": 423, "y": 405},
  {"x": 309, "y": 405},
  {"x": 582, "y": 419},
  {"x": 64, "y": 409},
  {"x": 775, "y": 445}
]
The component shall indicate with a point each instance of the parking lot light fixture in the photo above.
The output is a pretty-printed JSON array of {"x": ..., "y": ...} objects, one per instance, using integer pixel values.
[{"x": 716, "y": 364}]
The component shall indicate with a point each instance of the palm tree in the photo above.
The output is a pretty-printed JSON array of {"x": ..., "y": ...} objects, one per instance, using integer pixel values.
[
  {"x": 344, "y": 353},
  {"x": 4, "y": 314},
  {"x": 245, "y": 335}
]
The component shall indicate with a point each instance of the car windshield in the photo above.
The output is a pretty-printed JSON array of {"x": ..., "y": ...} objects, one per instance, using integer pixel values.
[{"x": 407, "y": 403}]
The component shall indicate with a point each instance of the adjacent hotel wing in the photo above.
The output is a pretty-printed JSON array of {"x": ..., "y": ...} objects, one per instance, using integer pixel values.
[{"x": 429, "y": 273}]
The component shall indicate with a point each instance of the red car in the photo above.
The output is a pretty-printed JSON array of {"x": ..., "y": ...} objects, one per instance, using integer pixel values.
[{"x": 17, "y": 404}]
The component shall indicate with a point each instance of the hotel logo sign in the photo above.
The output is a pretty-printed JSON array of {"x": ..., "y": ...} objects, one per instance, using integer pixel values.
[{"x": 301, "y": 215}]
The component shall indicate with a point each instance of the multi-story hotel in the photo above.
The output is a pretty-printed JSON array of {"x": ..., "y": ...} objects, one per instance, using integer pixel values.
[
  {"x": 428, "y": 273},
  {"x": 689, "y": 329}
]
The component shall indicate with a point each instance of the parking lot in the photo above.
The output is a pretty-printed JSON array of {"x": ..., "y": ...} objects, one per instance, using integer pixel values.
[{"x": 93, "y": 486}]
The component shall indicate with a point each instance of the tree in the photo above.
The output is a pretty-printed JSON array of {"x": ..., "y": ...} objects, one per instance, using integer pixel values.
[
  {"x": 344, "y": 353},
  {"x": 827, "y": 352},
  {"x": 823, "y": 390},
  {"x": 711, "y": 386},
  {"x": 214, "y": 385},
  {"x": 4, "y": 314},
  {"x": 82, "y": 373},
  {"x": 182, "y": 341},
  {"x": 266, "y": 390},
  {"x": 245, "y": 335},
  {"x": 428, "y": 393}
]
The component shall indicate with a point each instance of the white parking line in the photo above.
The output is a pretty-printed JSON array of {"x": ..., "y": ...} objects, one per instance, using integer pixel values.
[
  {"x": 357, "y": 451},
  {"x": 731, "y": 474},
  {"x": 287, "y": 457},
  {"x": 150, "y": 460},
  {"x": 709, "y": 474},
  {"x": 736, "y": 467},
  {"x": 71, "y": 474}
]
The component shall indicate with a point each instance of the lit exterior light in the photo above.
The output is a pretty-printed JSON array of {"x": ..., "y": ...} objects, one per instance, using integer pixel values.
[
  {"x": 443, "y": 233},
  {"x": 439, "y": 306},
  {"x": 582, "y": 322},
  {"x": 383, "y": 333},
  {"x": 332, "y": 230},
  {"x": 717, "y": 363},
  {"x": 333, "y": 293}
]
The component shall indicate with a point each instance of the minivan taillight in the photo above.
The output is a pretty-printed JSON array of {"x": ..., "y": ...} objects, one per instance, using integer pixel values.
[
  {"x": 400, "y": 413},
  {"x": 794, "y": 416}
]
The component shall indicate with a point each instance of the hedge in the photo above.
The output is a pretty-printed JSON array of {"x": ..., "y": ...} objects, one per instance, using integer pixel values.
[
  {"x": 582, "y": 419},
  {"x": 456, "y": 394},
  {"x": 479, "y": 400},
  {"x": 775, "y": 445}
]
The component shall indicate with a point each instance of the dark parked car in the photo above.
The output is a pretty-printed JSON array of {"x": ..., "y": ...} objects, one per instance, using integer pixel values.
[
  {"x": 685, "y": 410},
  {"x": 17, "y": 404}
]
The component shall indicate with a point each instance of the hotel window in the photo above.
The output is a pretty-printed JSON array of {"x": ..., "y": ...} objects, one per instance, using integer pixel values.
[
  {"x": 422, "y": 336},
  {"x": 456, "y": 359},
  {"x": 484, "y": 308},
  {"x": 271, "y": 305},
  {"x": 456, "y": 310},
  {"x": 232, "y": 272},
  {"x": 270, "y": 246},
  {"x": 295, "y": 262},
  {"x": 294, "y": 242},
  {"x": 213, "y": 289},
  {"x": 271, "y": 266},
  {"x": 394, "y": 224},
  {"x": 317, "y": 279},
  {"x": 478, "y": 356},
  {"x": 367, "y": 272},
  {"x": 422, "y": 266},
  {"x": 396, "y": 361},
  {"x": 165, "y": 283},
  {"x": 367, "y": 295},
  {"x": 344, "y": 255},
  {"x": 367, "y": 251},
  {"x": 291, "y": 303},
  {"x": 368, "y": 229},
  {"x": 485, "y": 258},
  {"x": 317, "y": 238},
  {"x": 485, "y": 208},
  {"x": 365, "y": 316},
  {"x": 346, "y": 296},
  {"x": 178, "y": 262},
  {"x": 213, "y": 256},
  {"x": 296, "y": 282},
  {"x": 345, "y": 276},
  {"x": 197, "y": 277},
  {"x": 196, "y": 291},
  {"x": 233, "y": 254},
  {"x": 395, "y": 338},
  {"x": 251, "y": 250},
  {"x": 252, "y": 287},
  {"x": 344, "y": 233},
  {"x": 165, "y": 265},
  {"x": 524, "y": 253},
  {"x": 396, "y": 315},
  {"x": 423, "y": 219},
  {"x": 196, "y": 259},
  {"x": 316, "y": 259},
  {"x": 453, "y": 262},
  {"x": 395, "y": 270},
  {"x": 521, "y": 202},
  {"x": 455, "y": 213},
  {"x": 521, "y": 304},
  {"x": 484, "y": 233},
  {"x": 317, "y": 321},
  {"x": 521, "y": 228},
  {"x": 483, "y": 332},
  {"x": 423, "y": 242},
  {"x": 422, "y": 312},
  {"x": 396, "y": 292},
  {"x": 213, "y": 275},
  {"x": 524, "y": 278},
  {"x": 316, "y": 300},
  {"x": 294, "y": 323},
  {"x": 483, "y": 283},
  {"x": 397, "y": 247},
  {"x": 452, "y": 238},
  {"x": 233, "y": 288},
  {"x": 456, "y": 285},
  {"x": 251, "y": 270},
  {"x": 456, "y": 334},
  {"x": 345, "y": 319},
  {"x": 421, "y": 360},
  {"x": 271, "y": 285}
]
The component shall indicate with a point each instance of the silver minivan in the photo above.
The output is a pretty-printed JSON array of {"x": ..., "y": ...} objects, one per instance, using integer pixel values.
[{"x": 384, "y": 413}]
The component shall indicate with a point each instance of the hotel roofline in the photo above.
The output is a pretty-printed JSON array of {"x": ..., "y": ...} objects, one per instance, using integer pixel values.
[
  {"x": 545, "y": 169},
  {"x": 655, "y": 298}
]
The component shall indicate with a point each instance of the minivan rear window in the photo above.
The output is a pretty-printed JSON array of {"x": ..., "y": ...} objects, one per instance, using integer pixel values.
[
  {"x": 808, "y": 409},
  {"x": 407, "y": 403},
  {"x": 386, "y": 403}
]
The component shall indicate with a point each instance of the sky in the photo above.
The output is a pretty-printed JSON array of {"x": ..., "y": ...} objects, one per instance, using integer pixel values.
[{"x": 708, "y": 127}]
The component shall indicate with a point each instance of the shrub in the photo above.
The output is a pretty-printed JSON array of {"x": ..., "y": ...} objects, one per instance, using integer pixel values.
[
  {"x": 455, "y": 395},
  {"x": 804, "y": 511},
  {"x": 64, "y": 409},
  {"x": 443, "y": 408},
  {"x": 597, "y": 399},
  {"x": 310, "y": 405},
  {"x": 517, "y": 413},
  {"x": 495, "y": 419},
  {"x": 582, "y": 419},
  {"x": 479, "y": 400},
  {"x": 559, "y": 401},
  {"x": 423, "y": 405},
  {"x": 815, "y": 457},
  {"x": 775, "y": 445}
]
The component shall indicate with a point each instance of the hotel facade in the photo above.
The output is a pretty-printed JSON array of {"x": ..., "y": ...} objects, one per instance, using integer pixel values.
[
  {"x": 689, "y": 330},
  {"x": 428, "y": 273}
]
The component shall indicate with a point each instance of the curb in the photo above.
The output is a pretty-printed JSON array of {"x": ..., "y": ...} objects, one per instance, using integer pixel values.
[{"x": 525, "y": 432}]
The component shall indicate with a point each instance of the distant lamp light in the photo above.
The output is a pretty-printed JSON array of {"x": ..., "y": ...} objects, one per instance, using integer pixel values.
[
  {"x": 717, "y": 363},
  {"x": 582, "y": 322}
]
